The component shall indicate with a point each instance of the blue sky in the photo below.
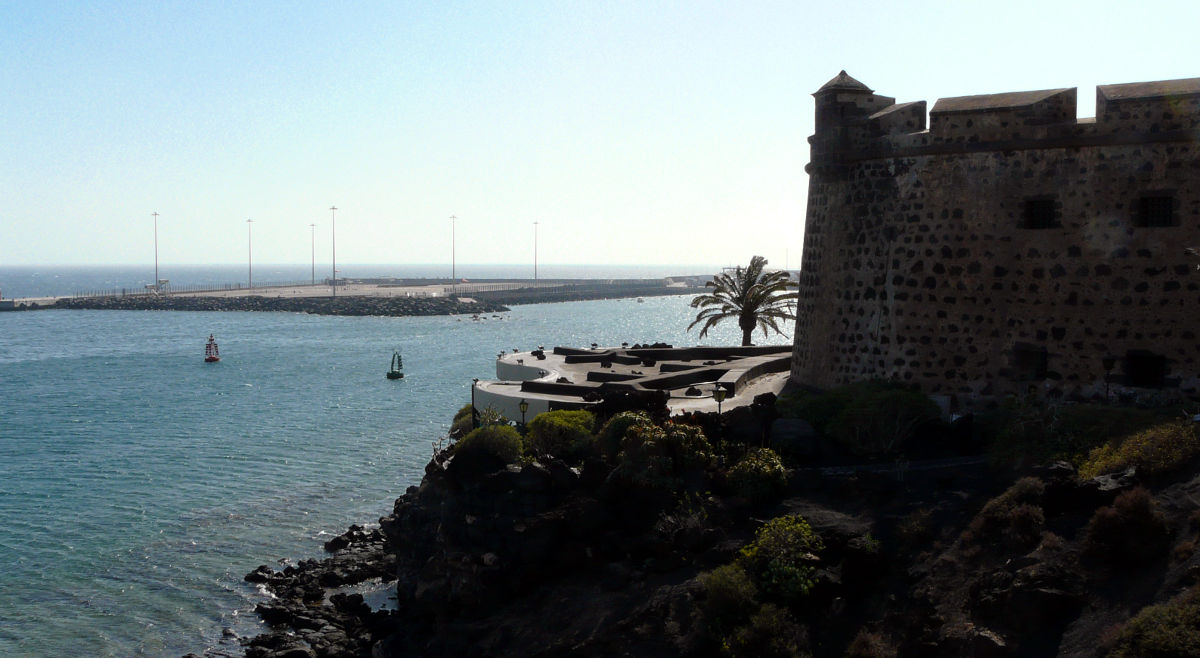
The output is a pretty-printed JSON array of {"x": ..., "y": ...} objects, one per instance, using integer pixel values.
[{"x": 632, "y": 132}]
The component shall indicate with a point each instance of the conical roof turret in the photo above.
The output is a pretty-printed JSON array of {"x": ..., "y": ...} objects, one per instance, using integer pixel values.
[{"x": 843, "y": 82}]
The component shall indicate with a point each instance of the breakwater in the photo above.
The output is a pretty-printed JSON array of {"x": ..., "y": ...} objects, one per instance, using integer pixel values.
[
  {"x": 577, "y": 292},
  {"x": 353, "y": 306}
]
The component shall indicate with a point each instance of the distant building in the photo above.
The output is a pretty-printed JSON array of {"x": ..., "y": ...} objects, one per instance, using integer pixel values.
[{"x": 1006, "y": 245}]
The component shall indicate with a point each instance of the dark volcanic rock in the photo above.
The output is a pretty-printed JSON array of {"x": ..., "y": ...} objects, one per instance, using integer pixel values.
[{"x": 347, "y": 305}]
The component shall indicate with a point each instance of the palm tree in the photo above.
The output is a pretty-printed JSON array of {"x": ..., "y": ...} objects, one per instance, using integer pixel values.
[{"x": 756, "y": 298}]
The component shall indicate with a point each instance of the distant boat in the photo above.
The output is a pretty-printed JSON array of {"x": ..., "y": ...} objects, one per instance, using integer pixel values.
[
  {"x": 397, "y": 366},
  {"x": 211, "y": 353},
  {"x": 641, "y": 301}
]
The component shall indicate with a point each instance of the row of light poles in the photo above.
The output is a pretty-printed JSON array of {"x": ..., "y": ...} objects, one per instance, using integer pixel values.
[
  {"x": 453, "y": 269},
  {"x": 333, "y": 232},
  {"x": 250, "y": 250}
]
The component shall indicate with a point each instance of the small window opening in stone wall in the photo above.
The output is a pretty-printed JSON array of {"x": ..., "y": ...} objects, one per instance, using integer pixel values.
[
  {"x": 1029, "y": 362},
  {"x": 1144, "y": 369},
  {"x": 1041, "y": 212},
  {"x": 1156, "y": 210}
]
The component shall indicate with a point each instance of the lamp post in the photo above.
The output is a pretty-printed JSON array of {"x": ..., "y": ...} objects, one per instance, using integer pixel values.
[
  {"x": 535, "y": 251},
  {"x": 155, "y": 213},
  {"x": 524, "y": 406},
  {"x": 719, "y": 395},
  {"x": 333, "y": 230},
  {"x": 453, "y": 272},
  {"x": 249, "y": 255},
  {"x": 312, "y": 228},
  {"x": 474, "y": 412},
  {"x": 1109, "y": 362}
]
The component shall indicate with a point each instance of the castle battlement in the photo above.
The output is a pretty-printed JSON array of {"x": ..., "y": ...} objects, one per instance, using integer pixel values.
[
  {"x": 997, "y": 242},
  {"x": 854, "y": 123}
]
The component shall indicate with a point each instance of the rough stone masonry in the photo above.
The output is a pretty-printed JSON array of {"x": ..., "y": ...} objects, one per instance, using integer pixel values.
[{"x": 1007, "y": 246}]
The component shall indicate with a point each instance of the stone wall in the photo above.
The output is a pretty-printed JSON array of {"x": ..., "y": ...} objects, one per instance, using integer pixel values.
[{"x": 982, "y": 264}]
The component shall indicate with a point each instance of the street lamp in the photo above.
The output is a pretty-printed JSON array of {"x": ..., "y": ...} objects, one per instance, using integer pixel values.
[
  {"x": 524, "y": 406},
  {"x": 453, "y": 272},
  {"x": 155, "y": 213},
  {"x": 249, "y": 255},
  {"x": 1109, "y": 362},
  {"x": 474, "y": 411},
  {"x": 333, "y": 229},
  {"x": 719, "y": 395},
  {"x": 535, "y": 251},
  {"x": 312, "y": 228}
]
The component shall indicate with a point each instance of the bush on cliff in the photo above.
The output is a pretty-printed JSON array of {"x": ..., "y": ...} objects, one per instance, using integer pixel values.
[
  {"x": 869, "y": 419},
  {"x": 613, "y": 433},
  {"x": 1038, "y": 430},
  {"x": 759, "y": 476},
  {"x": 563, "y": 434},
  {"x": 1015, "y": 517},
  {"x": 462, "y": 422},
  {"x": 730, "y": 597},
  {"x": 782, "y": 558},
  {"x": 1160, "y": 448},
  {"x": 664, "y": 459},
  {"x": 1167, "y": 629},
  {"x": 485, "y": 449},
  {"x": 1131, "y": 532}
]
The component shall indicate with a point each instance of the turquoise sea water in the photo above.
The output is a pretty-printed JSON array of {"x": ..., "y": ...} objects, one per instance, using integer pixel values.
[{"x": 138, "y": 484}]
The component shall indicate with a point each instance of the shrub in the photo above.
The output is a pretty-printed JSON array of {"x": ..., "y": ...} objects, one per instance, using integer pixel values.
[
  {"x": 914, "y": 530},
  {"x": 879, "y": 422},
  {"x": 759, "y": 476},
  {"x": 782, "y": 556},
  {"x": 610, "y": 436},
  {"x": 564, "y": 434},
  {"x": 462, "y": 422},
  {"x": 770, "y": 633},
  {"x": 1132, "y": 531},
  {"x": 1014, "y": 516},
  {"x": 1158, "y": 449},
  {"x": 1044, "y": 430},
  {"x": 1184, "y": 551},
  {"x": 729, "y": 599},
  {"x": 661, "y": 458},
  {"x": 1166, "y": 629},
  {"x": 868, "y": 644},
  {"x": 500, "y": 442},
  {"x": 869, "y": 419}
]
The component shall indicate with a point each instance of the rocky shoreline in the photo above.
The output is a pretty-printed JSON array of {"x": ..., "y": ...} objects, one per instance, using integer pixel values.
[
  {"x": 545, "y": 557},
  {"x": 349, "y": 306}
]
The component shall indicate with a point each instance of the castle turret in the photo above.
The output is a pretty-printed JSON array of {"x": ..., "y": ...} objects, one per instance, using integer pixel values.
[{"x": 844, "y": 109}]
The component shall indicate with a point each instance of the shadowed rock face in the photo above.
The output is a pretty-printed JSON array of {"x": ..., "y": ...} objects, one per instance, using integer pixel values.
[{"x": 384, "y": 306}]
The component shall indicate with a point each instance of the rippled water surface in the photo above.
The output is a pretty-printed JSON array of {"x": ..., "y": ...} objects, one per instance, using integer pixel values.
[{"x": 138, "y": 484}]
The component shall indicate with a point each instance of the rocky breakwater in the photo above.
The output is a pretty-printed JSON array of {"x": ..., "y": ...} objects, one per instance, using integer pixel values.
[
  {"x": 349, "y": 305},
  {"x": 309, "y": 616}
]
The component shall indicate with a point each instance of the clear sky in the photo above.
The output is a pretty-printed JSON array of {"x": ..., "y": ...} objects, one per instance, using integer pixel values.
[{"x": 633, "y": 132}]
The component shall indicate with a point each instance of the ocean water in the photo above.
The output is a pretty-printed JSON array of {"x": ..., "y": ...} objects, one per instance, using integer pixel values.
[{"x": 139, "y": 484}]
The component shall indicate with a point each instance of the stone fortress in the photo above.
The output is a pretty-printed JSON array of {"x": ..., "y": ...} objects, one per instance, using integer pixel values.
[{"x": 1005, "y": 246}]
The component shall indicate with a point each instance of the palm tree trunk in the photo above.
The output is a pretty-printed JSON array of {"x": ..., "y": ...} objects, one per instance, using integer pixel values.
[{"x": 746, "y": 333}]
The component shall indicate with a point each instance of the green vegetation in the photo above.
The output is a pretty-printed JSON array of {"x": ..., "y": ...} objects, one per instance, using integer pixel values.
[
  {"x": 1160, "y": 448},
  {"x": 462, "y": 422},
  {"x": 759, "y": 476},
  {"x": 869, "y": 419},
  {"x": 1042, "y": 431},
  {"x": 500, "y": 442},
  {"x": 757, "y": 299},
  {"x": 661, "y": 458},
  {"x": 770, "y": 633},
  {"x": 781, "y": 560},
  {"x": 1167, "y": 629},
  {"x": 730, "y": 598},
  {"x": 613, "y": 433},
  {"x": 563, "y": 434}
]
